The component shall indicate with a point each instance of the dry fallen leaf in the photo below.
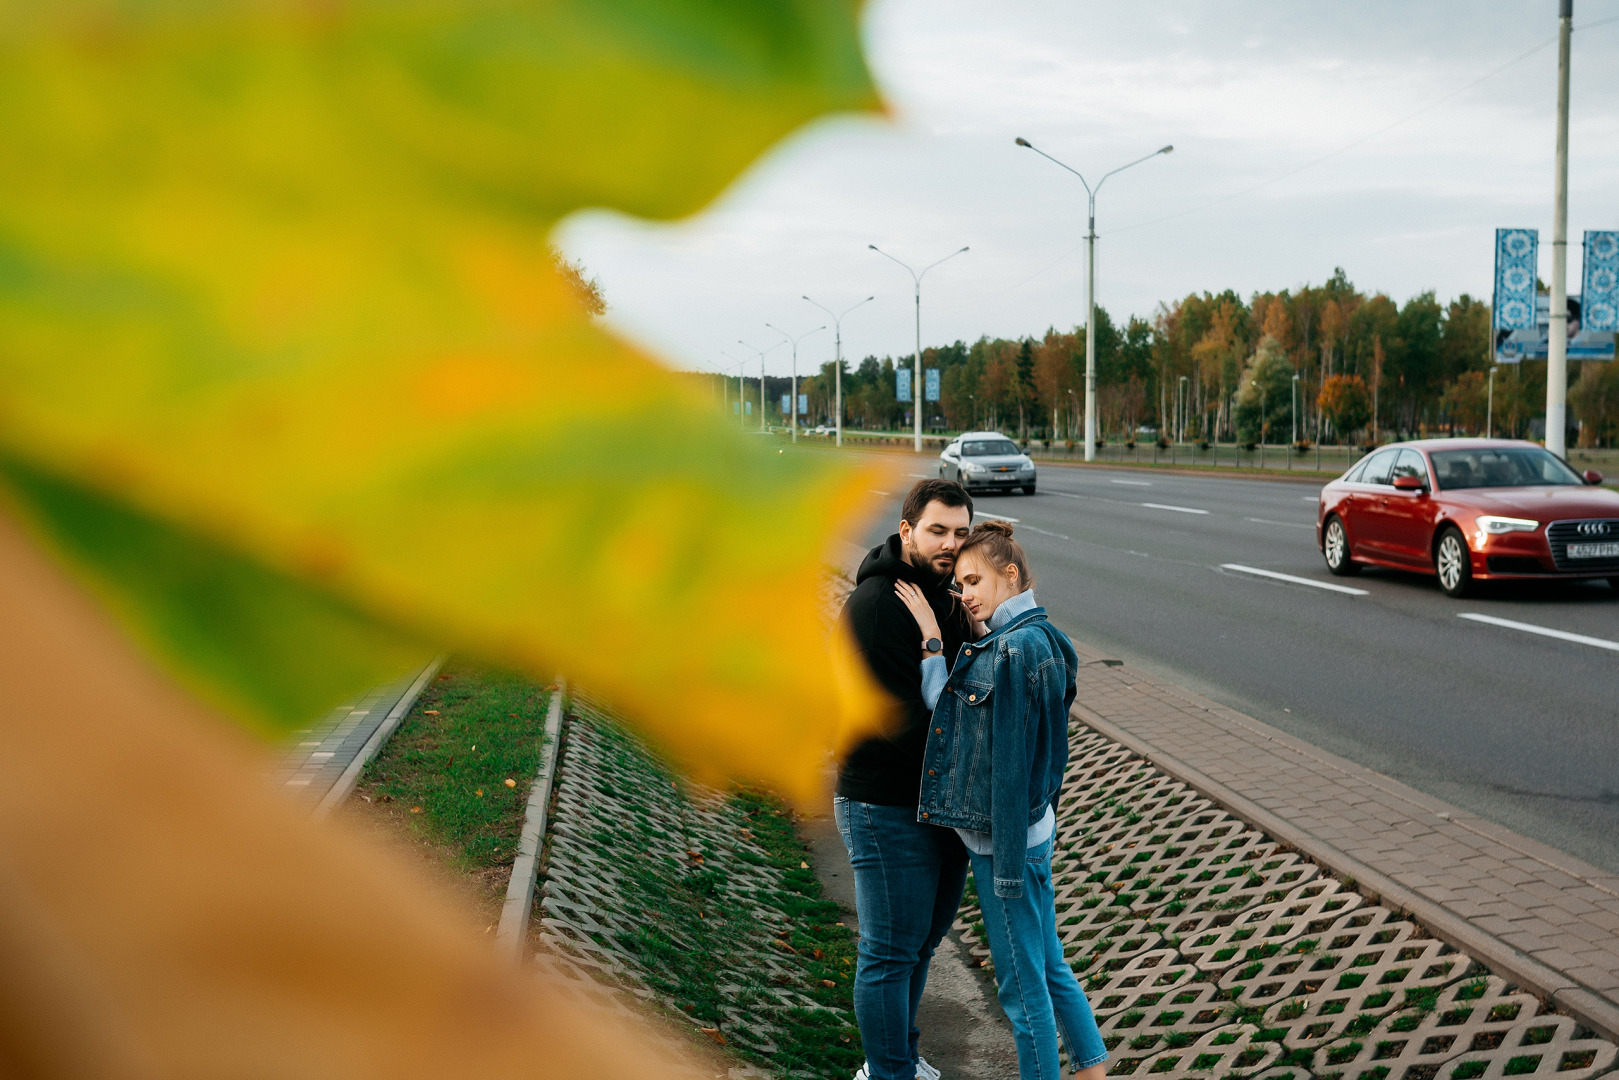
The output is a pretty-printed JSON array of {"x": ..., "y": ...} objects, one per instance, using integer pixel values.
[
  {"x": 415, "y": 809},
  {"x": 430, "y": 712},
  {"x": 829, "y": 984},
  {"x": 713, "y": 1033},
  {"x": 510, "y": 782}
]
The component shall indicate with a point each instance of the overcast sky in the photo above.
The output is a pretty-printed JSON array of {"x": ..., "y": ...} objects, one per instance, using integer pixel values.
[{"x": 1429, "y": 153}]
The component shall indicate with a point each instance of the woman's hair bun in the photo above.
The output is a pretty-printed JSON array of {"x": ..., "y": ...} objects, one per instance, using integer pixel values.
[{"x": 993, "y": 526}]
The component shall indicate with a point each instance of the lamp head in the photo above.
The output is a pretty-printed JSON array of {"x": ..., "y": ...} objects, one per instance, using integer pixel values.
[
  {"x": 872, "y": 246},
  {"x": 1168, "y": 149},
  {"x": 1021, "y": 141}
]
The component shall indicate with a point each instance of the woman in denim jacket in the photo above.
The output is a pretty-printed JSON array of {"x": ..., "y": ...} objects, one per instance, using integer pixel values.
[{"x": 992, "y": 770}]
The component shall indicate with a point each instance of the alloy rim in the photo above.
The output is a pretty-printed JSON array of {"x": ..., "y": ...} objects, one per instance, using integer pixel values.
[
  {"x": 1335, "y": 543},
  {"x": 1450, "y": 562}
]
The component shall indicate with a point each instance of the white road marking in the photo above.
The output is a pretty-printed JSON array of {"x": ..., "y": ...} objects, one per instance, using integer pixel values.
[
  {"x": 1543, "y": 631},
  {"x": 996, "y": 517},
  {"x": 922, "y": 475},
  {"x": 1285, "y": 524},
  {"x": 1177, "y": 509},
  {"x": 1329, "y": 586},
  {"x": 1312, "y": 498},
  {"x": 1133, "y": 483},
  {"x": 1044, "y": 532}
]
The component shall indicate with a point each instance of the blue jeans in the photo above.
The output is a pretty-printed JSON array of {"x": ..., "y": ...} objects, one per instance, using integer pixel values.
[
  {"x": 1038, "y": 989},
  {"x": 908, "y": 879}
]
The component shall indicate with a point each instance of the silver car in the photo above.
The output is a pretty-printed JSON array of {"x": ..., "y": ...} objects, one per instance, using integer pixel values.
[{"x": 987, "y": 461}]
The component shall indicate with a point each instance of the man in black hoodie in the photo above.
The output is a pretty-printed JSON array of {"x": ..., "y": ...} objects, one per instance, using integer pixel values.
[{"x": 908, "y": 874}]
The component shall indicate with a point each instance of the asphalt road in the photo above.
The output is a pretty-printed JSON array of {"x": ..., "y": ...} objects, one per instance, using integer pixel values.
[{"x": 1517, "y": 727}]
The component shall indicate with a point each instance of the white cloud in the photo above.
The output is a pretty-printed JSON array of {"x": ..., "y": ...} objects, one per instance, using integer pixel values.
[{"x": 1247, "y": 91}]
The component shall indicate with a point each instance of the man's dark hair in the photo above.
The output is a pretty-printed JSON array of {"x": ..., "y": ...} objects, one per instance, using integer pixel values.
[{"x": 947, "y": 492}]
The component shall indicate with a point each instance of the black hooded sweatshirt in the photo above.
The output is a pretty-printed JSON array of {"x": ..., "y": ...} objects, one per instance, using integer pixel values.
[{"x": 888, "y": 771}]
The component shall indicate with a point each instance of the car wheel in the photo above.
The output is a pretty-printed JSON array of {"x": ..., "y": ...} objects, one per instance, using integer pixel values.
[
  {"x": 1335, "y": 547},
  {"x": 1453, "y": 563},
  {"x": 1613, "y": 583},
  {"x": 1028, "y": 489}
]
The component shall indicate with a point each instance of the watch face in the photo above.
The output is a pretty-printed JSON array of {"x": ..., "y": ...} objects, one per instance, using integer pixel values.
[{"x": 933, "y": 644}]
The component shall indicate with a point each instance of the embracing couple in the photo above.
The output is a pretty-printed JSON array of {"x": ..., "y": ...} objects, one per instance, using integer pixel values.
[{"x": 945, "y": 616}]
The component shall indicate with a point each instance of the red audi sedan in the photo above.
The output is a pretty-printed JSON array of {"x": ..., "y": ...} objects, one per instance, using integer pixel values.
[{"x": 1470, "y": 510}]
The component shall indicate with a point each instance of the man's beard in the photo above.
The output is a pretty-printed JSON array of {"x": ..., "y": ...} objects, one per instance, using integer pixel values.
[{"x": 927, "y": 567}]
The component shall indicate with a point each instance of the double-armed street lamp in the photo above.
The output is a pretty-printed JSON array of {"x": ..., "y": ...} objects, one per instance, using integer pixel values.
[
  {"x": 761, "y": 352},
  {"x": 916, "y": 377},
  {"x": 793, "y": 402},
  {"x": 837, "y": 361},
  {"x": 1090, "y": 286}
]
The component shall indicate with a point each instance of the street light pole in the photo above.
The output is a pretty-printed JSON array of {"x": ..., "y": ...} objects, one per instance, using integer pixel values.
[
  {"x": 1090, "y": 285},
  {"x": 837, "y": 362},
  {"x": 1295, "y": 408},
  {"x": 793, "y": 403},
  {"x": 1557, "y": 345},
  {"x": 1180, "y": 410},
  {"x": 761, "y": 353},
  {"x": 741, "y": 384},
  {"x": 916, "y": 376},
  {"x": 1489, "y": 408}
]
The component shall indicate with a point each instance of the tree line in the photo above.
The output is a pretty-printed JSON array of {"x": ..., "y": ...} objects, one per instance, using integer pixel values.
[{"x": 1212, "y": 366}]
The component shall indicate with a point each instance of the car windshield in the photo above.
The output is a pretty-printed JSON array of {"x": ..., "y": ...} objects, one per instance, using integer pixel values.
[
  {"x": 1509, "y": 466},
  {"x": 987, "y": 448}
]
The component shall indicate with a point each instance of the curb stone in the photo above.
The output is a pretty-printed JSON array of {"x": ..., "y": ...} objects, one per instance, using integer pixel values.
[
  {"x": 515, "y": 912},
  {"x": 344, "y": 785}
]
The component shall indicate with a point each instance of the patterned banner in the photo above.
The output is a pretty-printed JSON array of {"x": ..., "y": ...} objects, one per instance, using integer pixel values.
[
  {"x": 1517, "y": 254},
  {"x": 930, "y": 384},
  {"x": 1601, "y": 291},
  {"x": 902, "y": 384}
]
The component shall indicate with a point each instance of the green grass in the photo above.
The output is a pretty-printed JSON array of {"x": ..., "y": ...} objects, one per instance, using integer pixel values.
[{"x": 447, "y": 771}]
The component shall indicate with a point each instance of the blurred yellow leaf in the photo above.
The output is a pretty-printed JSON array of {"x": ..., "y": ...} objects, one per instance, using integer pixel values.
[{"x": 274, "y": 284}]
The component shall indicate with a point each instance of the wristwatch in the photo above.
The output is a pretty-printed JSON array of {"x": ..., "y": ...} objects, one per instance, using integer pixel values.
[{"x": 932, "y": 645}]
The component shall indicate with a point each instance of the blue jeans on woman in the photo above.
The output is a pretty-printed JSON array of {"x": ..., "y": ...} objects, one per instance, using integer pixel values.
[
  {"x": 1038, "y": 990},
  {"x": 908, "y": 879}
]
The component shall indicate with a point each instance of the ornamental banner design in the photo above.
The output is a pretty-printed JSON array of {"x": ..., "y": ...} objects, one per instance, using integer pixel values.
[
  {"x": 1517, "y": 254},
  {"x": 1601, "y": 286},
  {"x": 902, "y": 384}
]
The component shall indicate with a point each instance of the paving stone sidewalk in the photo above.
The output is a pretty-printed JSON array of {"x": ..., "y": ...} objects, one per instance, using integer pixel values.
[
  {"x": 320, "y": 767},
  {"x": 1541, "y": 917}
]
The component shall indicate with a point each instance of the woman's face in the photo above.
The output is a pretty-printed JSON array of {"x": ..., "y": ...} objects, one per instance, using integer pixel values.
[{"x": 983, "y": 587}]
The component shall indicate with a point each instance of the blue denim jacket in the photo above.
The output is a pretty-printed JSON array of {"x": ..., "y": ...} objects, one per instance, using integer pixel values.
[{"x": 998, "y": 747}]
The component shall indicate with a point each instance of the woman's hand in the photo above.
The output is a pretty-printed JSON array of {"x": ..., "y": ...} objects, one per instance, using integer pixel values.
[{"x": 920, "y": 609}]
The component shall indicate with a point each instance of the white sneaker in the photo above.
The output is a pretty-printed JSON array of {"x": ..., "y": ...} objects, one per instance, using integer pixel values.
[
  {"x": 924, "y": 1071},
  {"x": 864, "y": 1073}
]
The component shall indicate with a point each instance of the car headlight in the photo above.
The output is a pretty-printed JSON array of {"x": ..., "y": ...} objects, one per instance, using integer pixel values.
[
  {"x": 1498, "y": 525},
  {"x": 970, "y": 467}
]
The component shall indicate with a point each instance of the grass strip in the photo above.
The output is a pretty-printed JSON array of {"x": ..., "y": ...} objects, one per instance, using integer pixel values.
[{"x": 461, "y": 764}]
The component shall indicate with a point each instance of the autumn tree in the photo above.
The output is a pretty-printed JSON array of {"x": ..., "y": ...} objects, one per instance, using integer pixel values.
[{"x": 1345, "y": 402}]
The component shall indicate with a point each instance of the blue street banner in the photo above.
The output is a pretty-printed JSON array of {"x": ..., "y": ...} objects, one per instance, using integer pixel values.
[
  {"x": 747, "y": 408},
  {"x": 803, "y": 404},
  {"x": 1601, "y": 293},
  {"x": 785, "y": 398},
  {"x": 930, "y": 384},
  {"x": 1517, "y": 262},
  {"x": 736, "y": 408},
  {"x": 902, "y": 384}
]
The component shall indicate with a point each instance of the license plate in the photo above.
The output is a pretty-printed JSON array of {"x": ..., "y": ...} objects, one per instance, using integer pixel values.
[{"x": 1593, "y": 551}]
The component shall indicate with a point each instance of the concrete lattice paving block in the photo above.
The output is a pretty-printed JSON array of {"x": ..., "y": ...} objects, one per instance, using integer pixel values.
[
  {"x": 1412, "y": 1044},
  {"x": 1217, "y": 942},
  {"x": 606, "y": 784},
  {"x": 1541, "y": 1047},
  {"x": 1166, "y": 1020},
  {"x": 1371, "y": 960},
  {"x": 1208, "y": 949},
  {"x": 1225, "y": 1051}
]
